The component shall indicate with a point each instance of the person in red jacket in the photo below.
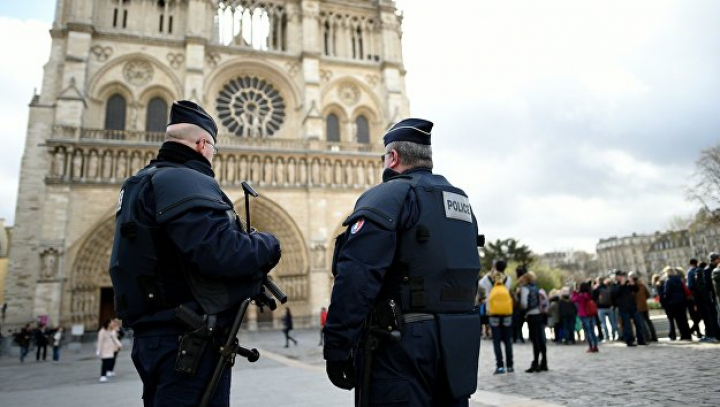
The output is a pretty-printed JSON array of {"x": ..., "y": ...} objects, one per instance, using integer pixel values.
[{"x": 323, "y": 318}]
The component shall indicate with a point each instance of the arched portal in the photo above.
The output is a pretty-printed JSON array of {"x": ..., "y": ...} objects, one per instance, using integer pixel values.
[
  {"x": 292, "y": 273},
  {"x": 91, "y": 288}
]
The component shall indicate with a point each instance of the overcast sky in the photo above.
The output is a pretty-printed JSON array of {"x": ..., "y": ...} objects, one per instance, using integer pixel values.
[{"x": 564, "y": 121}]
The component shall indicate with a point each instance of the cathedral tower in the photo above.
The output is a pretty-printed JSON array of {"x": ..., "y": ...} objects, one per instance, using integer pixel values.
[{"x": 302, "y": 91}]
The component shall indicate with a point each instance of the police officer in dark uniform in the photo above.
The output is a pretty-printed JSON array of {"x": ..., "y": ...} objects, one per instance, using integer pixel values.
[
  {"x": 402, "y": 326},
  {"x": 179, "y": 245}
]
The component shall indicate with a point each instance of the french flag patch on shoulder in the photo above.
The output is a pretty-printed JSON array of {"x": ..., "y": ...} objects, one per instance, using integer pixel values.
[{"x": 357, "y": 226}]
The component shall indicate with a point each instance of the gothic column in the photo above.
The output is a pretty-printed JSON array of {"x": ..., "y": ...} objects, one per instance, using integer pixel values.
[{"x": 312, "y": 120}]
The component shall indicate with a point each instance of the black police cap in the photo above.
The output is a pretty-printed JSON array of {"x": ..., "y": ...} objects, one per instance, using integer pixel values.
[
  {"x": 412, "y": 130},
  {"x": 185, "y": 111}
]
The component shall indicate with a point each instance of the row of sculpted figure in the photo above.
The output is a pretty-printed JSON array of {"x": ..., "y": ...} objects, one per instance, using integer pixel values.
[{"x": 113, "y": 165}]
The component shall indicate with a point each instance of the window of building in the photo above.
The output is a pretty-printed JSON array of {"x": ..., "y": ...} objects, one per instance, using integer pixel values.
[
  {"x": 332, "y": 128},
  {"x": 362, "y": 129},
  {"x": 156, "y": 119},
  {"x": 120, "y": 13},
  {"x": 250, "y": 106},
  {"x": 115, "y": 112},
  {"x": 166, "y": 19}
]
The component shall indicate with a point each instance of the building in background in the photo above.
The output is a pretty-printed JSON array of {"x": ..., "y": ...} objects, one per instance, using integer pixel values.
[
  {"x": 651, "y": 253},
  {"x": 671, "y": 248},
  {"x": 624, "y": 253},
  {"x": 577, "y": 262},
  {"x": 5, "y": 236},
  {"x": 302, "y": 91}
]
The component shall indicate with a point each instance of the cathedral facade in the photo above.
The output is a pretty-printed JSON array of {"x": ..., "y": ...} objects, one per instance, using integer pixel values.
[{"x": 302, "y": 91}]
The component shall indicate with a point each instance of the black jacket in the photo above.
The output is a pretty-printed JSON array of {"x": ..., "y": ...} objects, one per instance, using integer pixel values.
[{"x": 623, "y": 296}]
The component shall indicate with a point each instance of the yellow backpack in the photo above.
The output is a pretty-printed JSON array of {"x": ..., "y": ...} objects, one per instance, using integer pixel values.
[{"x": 499, "y": 302}]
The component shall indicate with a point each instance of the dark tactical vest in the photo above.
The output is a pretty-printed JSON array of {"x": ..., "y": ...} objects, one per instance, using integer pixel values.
[
  {"x": 147, "y": 271},
  {"x": 436, "y": 263}
]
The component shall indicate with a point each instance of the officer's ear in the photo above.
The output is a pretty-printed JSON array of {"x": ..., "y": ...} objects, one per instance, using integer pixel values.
[{"x": 395, "y": 160}]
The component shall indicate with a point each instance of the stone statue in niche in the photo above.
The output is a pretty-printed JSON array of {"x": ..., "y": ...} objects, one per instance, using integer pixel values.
[
  {"x": 371, "y": 174},
  {"x": 48, "y": 264},
  {"x": 230, "y": 170},
  {"x": 136, "y": 163},
  {"x": 121, "y": 168},
  {"x": 291, "y": 172},
  {"x": 243, "y": 168},
  {"x": 59, "y": 163},
  {"x": 337, "y": 177},
  {"x": 106, "y": 166},
  {"x": 360, "y": 174},
  {"x": 77, "y": 164},
  {"x": 93, "y": 166},
  {"x": 319, "y": 256},
  {"x": 315, "y": 173},
  {"x": 218, "y": 165},
  {"x": 255, "y": 170},
  {"x": 279, "y": 172},
  {"x": 268, "y": 171},
  {"x": 328, "y": 173},
  {"x": 303, "y": 180},
  {"x": 348, "y": 173}
]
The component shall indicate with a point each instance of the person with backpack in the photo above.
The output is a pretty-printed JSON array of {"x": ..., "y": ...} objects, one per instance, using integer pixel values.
[
  {"x": 602, "y": 298},
  {"x": 675, "y": 300},
  {"x": 641, "y": 298},
  {"x": 623, "y": 295},
  {"x": 530, "y": 303},
  {"x": 499, "y": 306},
  {"x": 22, "y": 338},
  {"x": 587, "y": 310}
]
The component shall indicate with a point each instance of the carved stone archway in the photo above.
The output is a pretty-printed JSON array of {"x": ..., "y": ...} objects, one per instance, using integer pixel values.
[
  {"x": 89, "y": 272},
  {"x": 292, "y": 273}
]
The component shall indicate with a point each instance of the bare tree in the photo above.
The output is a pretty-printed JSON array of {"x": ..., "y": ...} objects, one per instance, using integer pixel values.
[{"x": 706, "y": 189}]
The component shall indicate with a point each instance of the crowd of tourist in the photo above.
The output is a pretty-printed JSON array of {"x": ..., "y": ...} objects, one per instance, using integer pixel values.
[{"x": 612, "y": 307}]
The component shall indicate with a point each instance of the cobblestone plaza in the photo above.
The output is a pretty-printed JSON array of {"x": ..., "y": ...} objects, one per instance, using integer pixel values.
[{"x": 662, "y": 374}]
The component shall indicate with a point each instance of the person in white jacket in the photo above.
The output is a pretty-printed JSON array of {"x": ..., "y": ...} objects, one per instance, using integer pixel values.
[{"x": 107, "y": 345}]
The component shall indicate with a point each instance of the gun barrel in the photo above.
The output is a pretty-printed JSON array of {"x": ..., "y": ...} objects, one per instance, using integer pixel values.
[{"x": 275, "y": 290}]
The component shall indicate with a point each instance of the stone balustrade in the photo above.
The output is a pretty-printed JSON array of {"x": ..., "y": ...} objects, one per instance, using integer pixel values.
[{"x": 109, "y": 156}]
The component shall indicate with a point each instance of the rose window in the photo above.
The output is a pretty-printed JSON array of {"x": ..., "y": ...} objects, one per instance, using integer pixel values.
[{"x": 250, "y": 107}]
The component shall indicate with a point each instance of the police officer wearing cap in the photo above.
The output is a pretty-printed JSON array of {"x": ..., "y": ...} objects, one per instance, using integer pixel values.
[
  {"x": 406, "y": 272},
  {"x": 178, "y": 243}
]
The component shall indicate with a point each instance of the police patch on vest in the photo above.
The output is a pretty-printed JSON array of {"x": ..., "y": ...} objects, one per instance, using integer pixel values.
[
  {"x": 357, "y": 226},
  {"x": 457, "y": 206},
  {"x": 118, "y": 206}
]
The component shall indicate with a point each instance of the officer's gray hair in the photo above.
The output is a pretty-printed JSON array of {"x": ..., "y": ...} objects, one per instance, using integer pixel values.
[
  {"x": 184, "y": 131},
  {"x": 413, "y": 154}
]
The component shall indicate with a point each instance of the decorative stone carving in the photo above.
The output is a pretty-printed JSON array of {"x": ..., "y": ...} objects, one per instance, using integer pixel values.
[
  {"x": 101, "y": 53},
  {"x": 325, "y": 75},
  {"x": 175, "y": 60},
  {"x": 293, "y": 68},
  {"x": 49, "y": 264},
  {"x": 318, "y": 255},
  {"x": 212, "y": 58},
  {"x": 349, "y": 93},
  {"x": 372, "y": 80},
  {"x": 249, "y": 106},
  {"x": 138, "y": 72}
]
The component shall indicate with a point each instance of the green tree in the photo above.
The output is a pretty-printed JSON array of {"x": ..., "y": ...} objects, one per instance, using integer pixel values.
[{"x": 509, "y": 250}]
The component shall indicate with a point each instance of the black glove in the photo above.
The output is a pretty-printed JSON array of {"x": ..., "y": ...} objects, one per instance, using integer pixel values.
[
  {"x": 341, "y": 373},
  {"x": 275, "y": 251}
]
